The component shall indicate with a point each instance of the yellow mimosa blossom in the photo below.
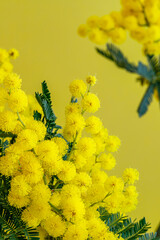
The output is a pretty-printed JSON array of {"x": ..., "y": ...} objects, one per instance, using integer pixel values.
[
  {"x": 77, "y": 88},
  {"x": 90, "y": 103}
]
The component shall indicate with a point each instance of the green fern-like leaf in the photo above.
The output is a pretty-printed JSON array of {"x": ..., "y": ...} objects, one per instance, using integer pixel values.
[
  {"x": 123, "y": 226},
  {"x": 148, "y": 236},
  {"x": 37, "y": 116},
  {"x": 115, "y": 54},
  {"x": 145, "y": 72},
  {"x": 146, "y": 100},
  {"x": 46, "y": 92}
]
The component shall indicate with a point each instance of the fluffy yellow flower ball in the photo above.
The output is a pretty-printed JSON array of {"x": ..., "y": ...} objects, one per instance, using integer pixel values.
[
  {"x": 77, "y": 88},
  {"x": 93, "y": 125},
  {"x": 86, "y": 147},
  {"x": 107, "y": 161},
  {"x": 130, "y": 175},
  {"x": 26, "y": 139},
  {"x": 91, "y": 80},
  {"x": 8, "y": 121},
  {"x": 19, "y": 186},
  {"x": 113, "y": 143},
  {"x": 17, "y": 100},
  {"x": 12, "y": 81},
  {"x": 54, "y": 225},
  {"x": 90, "y": 103}
]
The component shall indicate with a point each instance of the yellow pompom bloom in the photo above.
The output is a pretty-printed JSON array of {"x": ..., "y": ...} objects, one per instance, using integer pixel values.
[
  {"x": 129, "y": 204},
  {"x": 91, "y": 80},
  {"x": 75, "y": 122},
  {"x": 106, "y": 22},
  {"x": 90, "y": 103},
  {"x": 107, "y": 161},
  {"x": 54, "y": 225},
  {"x": 114, "y": 184},
  {"x": 70, "y": 190},
  {"x": 55, "y": 199},
  {"x": 17, "y": 100},
  {"x": 113, "y": 143},
  {"x": 2, "y": 75},
  {"x": 113, "y": 202},
  {"x": 140, "y": 34},
  {"x": 102, "y": 134},
  {"x": 27, "y": 216},
  {"x": 95, "y": 193},
  {"x": 31, "y": 168},
  {"x": 9, "y": 164},
  {"x": 38, "y": 127},
  {"x": 152, "y": 13},
  {"x": 67, "y": 172},
  {"x": 27, "y": 139},
  {"x": 86, "y": 147},
  {"x": 97, "y": 36},
  {"x": 89, "y": 164},
  {"x": 130, "y": 175},
  {"x": 83, "y": 181},
  {"x": 48, "y": 152},
  {"x": 83, "y": 30},
  {"x": 18, "y": 201},
  {"x": 92, "y": 21},
  {"x": 8, "y": 121},
  {"x": 62, "y": 145},
  {"x": 77, "y": 88},
  {"x": 12, "y": 81},
  {"x": 40, "y": 194},
  {"x": 130, "y": 22},
  {"x": 118, "y": 35},
  {"x": 100, "y": 144},
  {"x": 13, "y": 53},
  {"x": 19, "y": 186},
  {"x": 72, "y": 108},
  {"x": 3, "y": 55},
  {"x": 93, "y": 125},
  {"x": 7, "y": 66},
  {"x": 153, "y": 33},
  {"x": 151, "y": 48},
  {"x": 91, "y": 212},
  {"x": 76, "y": 231},
  {"x": 78, "y": 159},
  {"x": 118, "y": 18},
  {"x": 131, "y": 192},
  {"x": 97, "y": 229},
  {"x": 41, "y": 210},
  {"x": 73, "y": 208},
  {"x": 45, "y": 148},
  {"x": 98, "y": 176}
]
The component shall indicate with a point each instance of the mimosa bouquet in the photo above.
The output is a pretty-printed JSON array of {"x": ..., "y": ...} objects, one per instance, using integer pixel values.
[
  {"x": 54, "y": 181},
  {"x": 141, "y": 19}
]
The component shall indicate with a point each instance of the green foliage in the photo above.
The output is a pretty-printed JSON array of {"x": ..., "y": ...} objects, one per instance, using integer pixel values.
[
  {"x": 37, "y": 116},
  {"x": 11, "y": 225},
  {"x": 149, "y": 74},
  {"x": 124, "y": 227},
  {"x": 146, "y": 100},
  {"x": 44, "y": 99},
  {"x": 114, "y": 54}
]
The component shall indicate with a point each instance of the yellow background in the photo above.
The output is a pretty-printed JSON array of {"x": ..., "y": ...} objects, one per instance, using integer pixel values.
[{"x": 44, "y": 31}]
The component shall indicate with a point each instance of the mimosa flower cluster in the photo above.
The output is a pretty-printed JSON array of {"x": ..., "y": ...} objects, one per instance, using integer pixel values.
[
  {"x": 59, "y": 181},
  {"x": 141, "y": 18}
]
